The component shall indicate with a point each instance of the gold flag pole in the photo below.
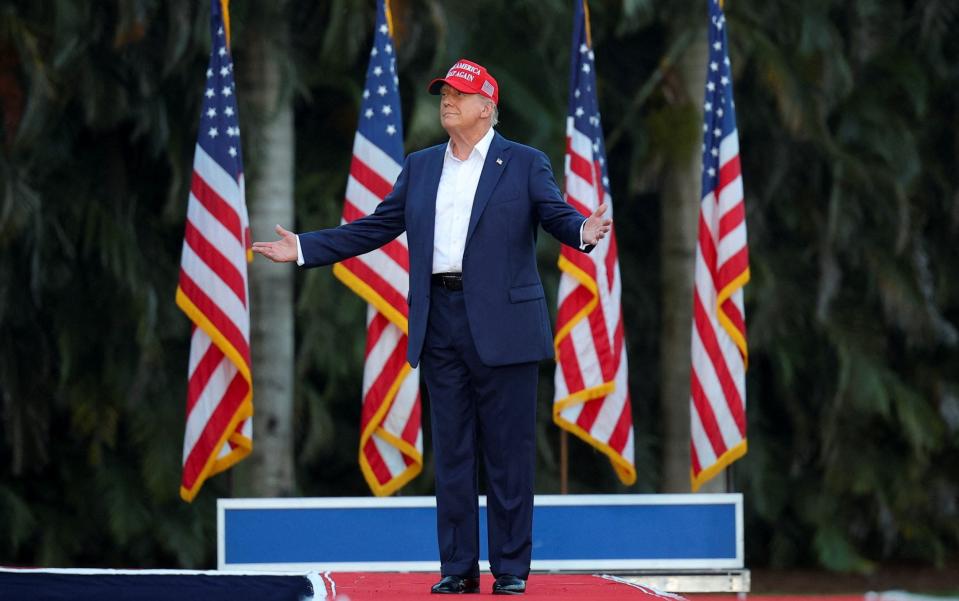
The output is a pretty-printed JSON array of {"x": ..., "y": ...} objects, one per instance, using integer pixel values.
[
  {"x": 389, "y": 16},
  {"x": 225, "y": 5},
  {"x": 563, "y": 462}
]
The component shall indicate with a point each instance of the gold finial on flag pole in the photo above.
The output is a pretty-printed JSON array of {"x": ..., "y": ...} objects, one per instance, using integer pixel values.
[
  {"x": 389, "y": 16},
  {"x": 589, "y": 36},
  {"x": 225, "y": 5}
]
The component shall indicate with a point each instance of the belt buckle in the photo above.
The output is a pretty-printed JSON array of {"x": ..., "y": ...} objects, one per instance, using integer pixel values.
[{"x": 452, "y": 281}]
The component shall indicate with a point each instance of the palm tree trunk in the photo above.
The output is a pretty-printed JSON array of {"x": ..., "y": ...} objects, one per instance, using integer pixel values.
[
  {"x": 681, "y": 191},
  {"x": 269, "y": 163}
]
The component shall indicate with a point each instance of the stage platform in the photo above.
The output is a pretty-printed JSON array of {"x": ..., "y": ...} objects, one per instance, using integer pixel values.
[
  {"x": 367, "y": 586},
  {"x": 50, "y": 584},
  {"x": 184, "y": 585}
]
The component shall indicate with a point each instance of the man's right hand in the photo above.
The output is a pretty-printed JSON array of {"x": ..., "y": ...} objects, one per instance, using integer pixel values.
[
  {"x": 282, "y": 251},
  {"x": 596, "y": 228}
]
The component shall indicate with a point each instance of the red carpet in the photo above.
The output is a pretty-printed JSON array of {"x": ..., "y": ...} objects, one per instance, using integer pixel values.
[
  {"x": 353, "y": 586},
  {"x": 49, "y": 584},
  {"x": 796, "y": 597}
]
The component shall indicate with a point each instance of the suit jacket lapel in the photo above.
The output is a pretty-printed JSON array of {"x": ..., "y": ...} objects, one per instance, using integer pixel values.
[
  {"x": 495, "y": 164},
  {"x": 426, "y": 225}
]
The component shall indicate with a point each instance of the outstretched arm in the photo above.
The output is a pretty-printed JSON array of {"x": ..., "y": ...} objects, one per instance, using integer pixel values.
[
  {"x": 324, "y": 247},
  {"x": 558, "y": 217}
]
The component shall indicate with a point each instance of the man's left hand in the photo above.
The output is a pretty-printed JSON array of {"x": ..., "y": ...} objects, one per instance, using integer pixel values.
[{"x": 596, "y": 228}]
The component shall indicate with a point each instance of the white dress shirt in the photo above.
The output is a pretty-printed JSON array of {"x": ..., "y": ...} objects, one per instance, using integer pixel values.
[{"x": 454, "y": 204}]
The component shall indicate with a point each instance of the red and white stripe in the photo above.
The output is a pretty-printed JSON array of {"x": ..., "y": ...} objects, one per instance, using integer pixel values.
[
  {"x": 213, "y": 292},
  {"x": 719, "y": 351},
  {"x": 592, "y": 394},
  {"x": 391, "y": 438}
]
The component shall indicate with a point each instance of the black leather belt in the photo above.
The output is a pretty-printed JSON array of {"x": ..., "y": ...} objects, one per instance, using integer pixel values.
[{"x": 450, "y": 281}]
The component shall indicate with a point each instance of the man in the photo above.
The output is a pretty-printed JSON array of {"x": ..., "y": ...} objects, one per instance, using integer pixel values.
[{"x": 478, "y": 319}]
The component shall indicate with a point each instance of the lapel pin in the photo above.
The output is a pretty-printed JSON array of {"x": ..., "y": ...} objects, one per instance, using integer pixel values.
[{"x": 499, "y": 161}]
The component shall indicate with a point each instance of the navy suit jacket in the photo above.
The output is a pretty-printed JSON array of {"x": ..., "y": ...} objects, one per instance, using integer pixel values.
[{"x": 504, "y": 297}]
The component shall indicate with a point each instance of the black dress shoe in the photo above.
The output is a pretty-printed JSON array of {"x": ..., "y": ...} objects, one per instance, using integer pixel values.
[
  {"x": 508, "y": 584},
  {"x": 455, "y": 585}
]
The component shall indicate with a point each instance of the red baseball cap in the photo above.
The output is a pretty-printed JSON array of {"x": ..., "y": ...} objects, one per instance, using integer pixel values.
[{"x": 469, "y": 78}]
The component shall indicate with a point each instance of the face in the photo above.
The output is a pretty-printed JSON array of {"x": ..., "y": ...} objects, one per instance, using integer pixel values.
[{"x": 462, "y": 112}]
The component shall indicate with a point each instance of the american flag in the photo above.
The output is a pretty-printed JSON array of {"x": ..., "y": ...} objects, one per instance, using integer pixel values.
[
  {"x": 592, "y": 393},
  {"x": 391, "y": 439},
  {"x": 719, "y": 353},
  {"x": 213, "y": 289}
]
